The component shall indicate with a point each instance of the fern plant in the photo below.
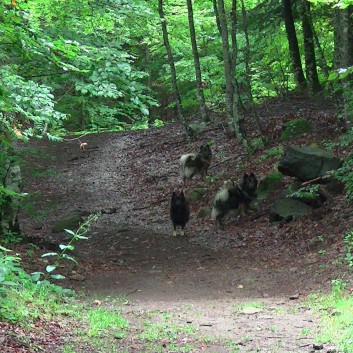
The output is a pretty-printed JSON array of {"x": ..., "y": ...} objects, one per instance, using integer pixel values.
[{"x": 309, "y": 192}]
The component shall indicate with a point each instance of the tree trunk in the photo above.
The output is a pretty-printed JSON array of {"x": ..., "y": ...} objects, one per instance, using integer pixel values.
[
  {"x": 233, "y": 60},
  {"x": 200, "y": 95},
  {"x": 343, "y": 57},
  {"x": 227, "y": 64},
  {"x": 215, "y": 10},
  {"x": 312, "y": 77},
  {"x": 343, "y": 42},
  {"x": 231, "y": 102},
  {"x": 148, "y": 65},
  {"x": 337, "y": 39},
  {"x": 10, "y": 179},
  {"x": 293, "y": 45},
  {"x": 171, "y": 61},
  {"x": 233, "y": 34},
  {"x": 246, "y": 53},
  {"x": 322, "y": 59}
]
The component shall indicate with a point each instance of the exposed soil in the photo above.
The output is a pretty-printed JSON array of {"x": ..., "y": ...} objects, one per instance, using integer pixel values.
[{"x": 206, "y": 278}]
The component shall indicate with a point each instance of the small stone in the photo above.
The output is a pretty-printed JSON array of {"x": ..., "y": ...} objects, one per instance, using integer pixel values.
[
  {"x": 294, "y": 296},
  {"x": 77, "y": 277},
  {"x": 110, "y": 210},
  {"x": 251, "y": 310},
  {"x": 318, "y": 347}
]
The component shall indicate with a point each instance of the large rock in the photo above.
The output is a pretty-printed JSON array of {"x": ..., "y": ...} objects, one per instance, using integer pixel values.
[
  {"x": 306, "y": 163},
  {"x": 269, "y": 183},
  {"x": 287, "y": 209},
  {"x": 70, "y": 221}
]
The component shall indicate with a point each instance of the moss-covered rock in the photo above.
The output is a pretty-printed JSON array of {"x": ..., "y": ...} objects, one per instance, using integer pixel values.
[
  {"x": 287, "y": 209},
  {"x": 70, "y": 221},
  {"x": 307, "y": 163},
  {"x": 269, "y": 182}
]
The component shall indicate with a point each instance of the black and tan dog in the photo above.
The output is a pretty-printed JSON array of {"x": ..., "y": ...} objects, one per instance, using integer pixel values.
[
  {"x": 192, "y": 164},
  {"x": 234, "y": 197},
  {"x": 179, "y": 211}
]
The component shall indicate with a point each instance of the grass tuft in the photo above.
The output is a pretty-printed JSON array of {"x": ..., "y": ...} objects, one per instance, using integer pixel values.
[{"x": 336, "y": 312}]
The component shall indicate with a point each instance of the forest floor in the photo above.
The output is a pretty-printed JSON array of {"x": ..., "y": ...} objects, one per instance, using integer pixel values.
[{"x": 240, "y": 289}]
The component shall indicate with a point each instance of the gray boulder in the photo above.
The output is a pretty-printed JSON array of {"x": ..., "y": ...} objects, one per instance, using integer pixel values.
[
  {"x": 286, "y": 209},
  {"x": 306, "y": 163},
  {"x": 70, "y": 221}
]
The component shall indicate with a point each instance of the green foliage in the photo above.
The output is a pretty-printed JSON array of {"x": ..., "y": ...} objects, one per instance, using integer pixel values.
[
  {"x": 256, "y": 143},
  {"x": 295, "y": 128},
  {"x": 101, "y": 65},
  {"x": 165, "y": 330},
  {"x": 66, "y": 65},
  {"x": 268, "y": 183},
  {"x": 336, "y": 312},
  {"x": 19, "y": 291},
  {"x": 102, "y": 320},
  {"x": 309, "y": 192},
  {"x": 10, "y": 271},
  {"x": 158, "y": 123},
  {"x": 10, "y": 237},
  {"x": 348, "y": 239},
  {"x": 63, "y": 255},
  {"x": 31, "y": 101},
  {"x": 274, "y": 152},
  {"x": 345, "y": 174}
]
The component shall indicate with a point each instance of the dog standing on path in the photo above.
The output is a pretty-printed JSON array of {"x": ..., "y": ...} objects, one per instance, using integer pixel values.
[{"x": 179, "y": 211}]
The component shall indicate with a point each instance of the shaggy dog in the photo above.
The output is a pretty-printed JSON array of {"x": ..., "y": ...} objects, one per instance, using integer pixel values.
[
  {"x": 179, "y": 211},
  {"x": 234, "y": 197},
  {"x": 192, "y": 164}
]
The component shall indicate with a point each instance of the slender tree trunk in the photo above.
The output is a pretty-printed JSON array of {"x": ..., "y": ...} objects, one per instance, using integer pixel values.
[
  {"x": 343, "y": 57},
  {"x": 232, "y": 115},
  {"x": 233, "y": 35},
  {"x": 171, "y": 61},
  {"x": 312, "y": 77},
  {"x": 215, "y": 10},
  {"x": 200, "y": 95},
  {"x": 320, "y": 51},
  {"x": 344, "y": 40},
  {"x": 247, "y": 56},
  {"x": 81, "y": 119},
  {"x": 233, "y": 60},
  {"x": 227, "y": 64},
  {"x": 148, "y": 65},
  {"x": 246, "y": 53},
  {"x": 293, "y": 45},
  {"x": 338, "y": 39}
]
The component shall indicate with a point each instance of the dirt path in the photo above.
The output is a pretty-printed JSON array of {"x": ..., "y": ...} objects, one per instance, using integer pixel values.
[{"x": 240, "y": 290}]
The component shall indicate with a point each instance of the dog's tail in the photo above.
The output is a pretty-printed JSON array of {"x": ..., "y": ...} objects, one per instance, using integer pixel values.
[
  {"x": 221, "y": 197},
  {"x": 186, "y": 172}
]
